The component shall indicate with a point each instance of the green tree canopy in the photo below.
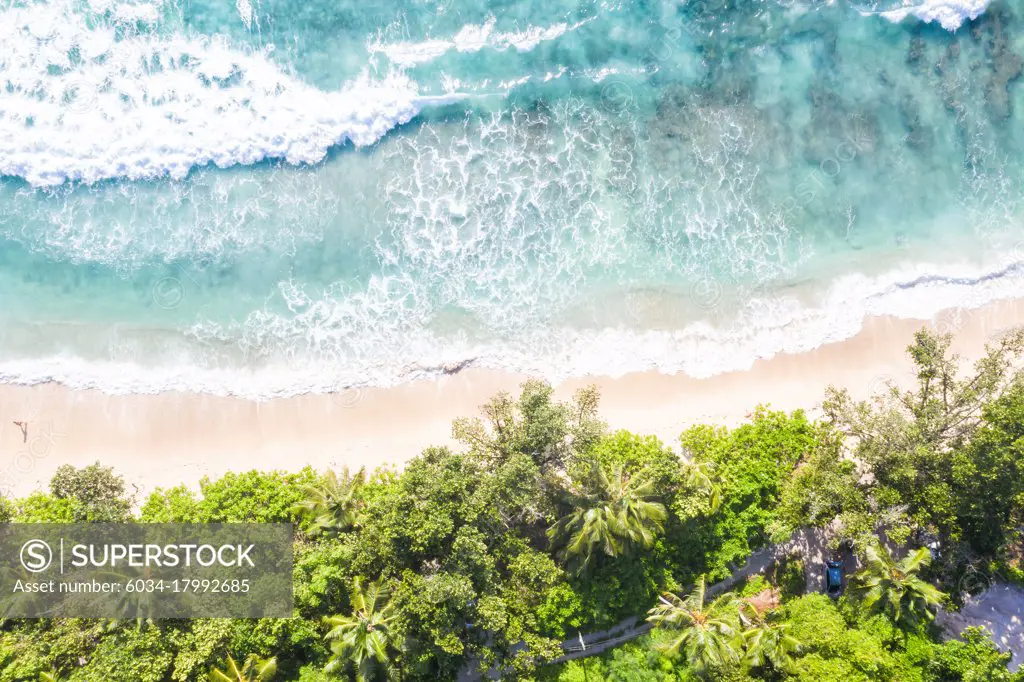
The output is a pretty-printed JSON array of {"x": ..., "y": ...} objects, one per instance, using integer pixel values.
[
  {"x": 913, "y": 439},
  {"x": 987, "y": 477},
  {"x": 972, "y": 658},
  {"x": 97, "y": 492},
  {"x": 748, "y": 466},
  {"x": 549, "y": 432},
  {"x": 253, "y": 496}
]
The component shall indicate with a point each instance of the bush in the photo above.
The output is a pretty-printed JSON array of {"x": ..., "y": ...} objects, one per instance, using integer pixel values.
[
  {"x": 98, "y": 492},
  {"x": 749, "y": 464},
  {"x": 790, "y": 577}
]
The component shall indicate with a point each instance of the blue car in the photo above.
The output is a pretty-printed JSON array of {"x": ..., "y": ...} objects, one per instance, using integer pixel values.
[{"x": 834, "y": 577}]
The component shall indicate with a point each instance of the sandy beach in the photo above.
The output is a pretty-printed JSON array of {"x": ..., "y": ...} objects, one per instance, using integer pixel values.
[{"x": 171, "y": 438}]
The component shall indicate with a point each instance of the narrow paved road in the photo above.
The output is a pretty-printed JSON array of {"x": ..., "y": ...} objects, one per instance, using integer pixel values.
[{"x": 809, "y": 543}]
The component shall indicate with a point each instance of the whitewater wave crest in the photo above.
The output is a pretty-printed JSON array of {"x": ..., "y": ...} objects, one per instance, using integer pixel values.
[
  {"x": 471, "y": 38},
  {"x": 89, "y": 100},
  {"x": 950, "y": 14}
]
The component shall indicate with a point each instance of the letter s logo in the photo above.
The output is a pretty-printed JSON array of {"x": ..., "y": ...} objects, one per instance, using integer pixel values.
[{"x": 36, "y": 556}]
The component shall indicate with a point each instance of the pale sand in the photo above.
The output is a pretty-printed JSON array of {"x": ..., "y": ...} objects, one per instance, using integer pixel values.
[
  {"x": 1000, "y": 610},
  {"x": 173, "y": 438}
]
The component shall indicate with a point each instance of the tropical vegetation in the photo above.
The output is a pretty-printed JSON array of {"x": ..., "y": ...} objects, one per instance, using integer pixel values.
[{"x": 510, "y": 554}]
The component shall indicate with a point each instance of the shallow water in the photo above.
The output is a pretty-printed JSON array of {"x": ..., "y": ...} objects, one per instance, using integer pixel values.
[{"x": 270, "y": 198}]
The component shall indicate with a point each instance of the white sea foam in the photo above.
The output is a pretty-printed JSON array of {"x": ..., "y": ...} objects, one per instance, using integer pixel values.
[
  {"x": 950, "y": 14},
  {"x": 245, "y": 12},
  {"x": 128, "y": 12},
  {"x": 82, "y": 104},
  {"x": 767, "y": 327},
  {"x": 771, "y": 326},
  {"x": 470, "y": 38}
]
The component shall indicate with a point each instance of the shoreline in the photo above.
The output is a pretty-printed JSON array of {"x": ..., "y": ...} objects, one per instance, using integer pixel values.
[
  {"x": 699, "y": 332},
  {"x": 170, "y": 438}
]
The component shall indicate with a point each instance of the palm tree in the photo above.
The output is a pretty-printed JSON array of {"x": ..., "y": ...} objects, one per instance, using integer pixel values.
[
  {"x": 254, "y": 669},
  {"x": 19, "y": 603},
  {"x": 767, "y": 642},
  {"x": 364, "y": 639},
  {"x": 705, "y": 634},
  {"x": 616, "y": 514},
  {"x": 700, "y": 476},
  {"x": 333, "y": 503},
  {"x": 895, "y": 587},
  {"x": 138, "y": 606},
  {"x": 51, "y": 676}
]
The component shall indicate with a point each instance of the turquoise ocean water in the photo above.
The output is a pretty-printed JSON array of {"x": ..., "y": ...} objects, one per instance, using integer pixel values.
[{"x": 271, "y": 197}]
